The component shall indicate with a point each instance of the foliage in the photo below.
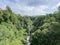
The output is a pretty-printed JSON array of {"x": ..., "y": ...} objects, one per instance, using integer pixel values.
[{"x": 14, "y": 28}]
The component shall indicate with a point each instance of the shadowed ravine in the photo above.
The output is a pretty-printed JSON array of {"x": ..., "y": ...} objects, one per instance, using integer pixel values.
[{"x": 28, "y": 38}]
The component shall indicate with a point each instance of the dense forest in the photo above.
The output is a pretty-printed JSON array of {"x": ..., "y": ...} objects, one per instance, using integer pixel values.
[{"x": 14, "y": 28}]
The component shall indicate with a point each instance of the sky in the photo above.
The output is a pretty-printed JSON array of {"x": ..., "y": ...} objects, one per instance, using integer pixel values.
[{"x": 31, "y": 7}]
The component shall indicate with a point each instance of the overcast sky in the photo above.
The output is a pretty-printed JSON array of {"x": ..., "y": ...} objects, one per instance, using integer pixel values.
[{"x": 31, "y": 7}]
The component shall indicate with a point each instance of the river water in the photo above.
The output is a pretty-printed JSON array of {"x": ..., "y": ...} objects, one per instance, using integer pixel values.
[{"x": 28, "y": 40}]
